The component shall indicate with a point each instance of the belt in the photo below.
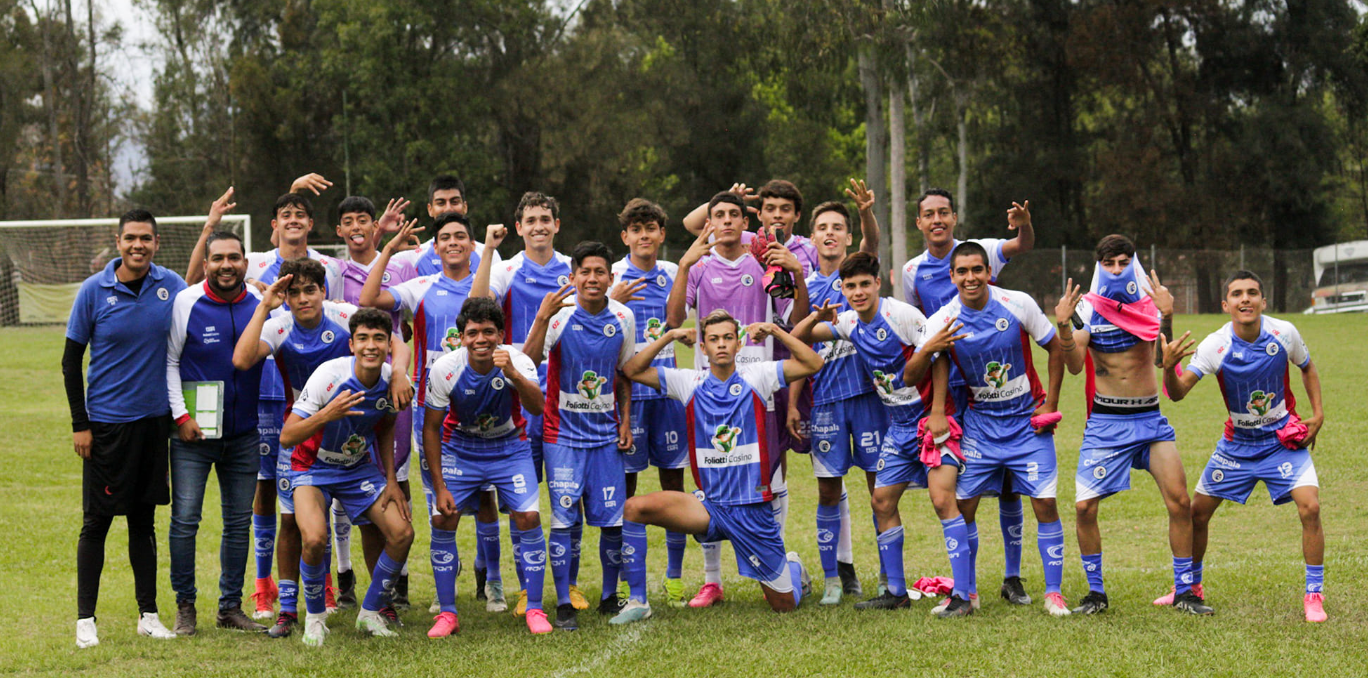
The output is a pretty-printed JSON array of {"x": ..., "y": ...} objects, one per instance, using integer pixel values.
[{"x": 1104, "y": 404}]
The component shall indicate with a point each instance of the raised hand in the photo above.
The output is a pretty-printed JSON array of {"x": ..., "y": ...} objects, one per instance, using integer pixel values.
[
  {"x": 393, "y": 216},
  {"x": 504, "y": 362},
  {"x": 273, "y": 297},
  {"x": 747, "y": 195},
  {"x": 945, "y": 337},
  {"x": 683, "y": 335},
  {"x": 1068, "y": 303},
  {"x": 494, "y": 235},
  {"x": 222, "y": 206},
  {"x": 1019, "y": 215},
  {"x": 624, "y": 292},
  {"x": 406, "y": 239},
  {"x": 860, "y": 193},
  {"x": 341, "y": 406},
  {"x": 553, "y": 302},
  {"x": 1175, "y": 351},
  {"x": 701, "y": 247},
  {"x": 312, "y": 181},
  {"x": 1163, "y": 299},
  {"x": 827, "y": 312}
]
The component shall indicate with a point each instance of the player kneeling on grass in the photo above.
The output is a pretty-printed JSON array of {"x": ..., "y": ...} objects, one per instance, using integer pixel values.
[
  {"x": 475, "y": 433},
  {"x": 728, "y": 450},
  {"x": 1264, "y": 439},
  {"x": 342, "y": 423}
]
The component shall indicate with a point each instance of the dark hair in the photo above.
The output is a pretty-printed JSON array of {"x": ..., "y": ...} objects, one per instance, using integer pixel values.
[
  {"x": 939, "y": 192},
  {"x": 1114, "y": 245},
  {"x": 356, "y": 204},
  {"x": 536, "y": 199},
  {"x": 371, "y": 319},
  {"x": 1242, "y": 275},
  {"x": 292, "y": 200},
  {"x": 480, "y": 310},
  {"x": 860, "y": 263},
  {"x": 138, "y": 216},
  {"x": 447, "y": 217},
  {"x": 641, "y": 211},
  {"x": 223, "y": 235},
  {"x": 304, "y": 270},
  {"x": 830, "y": 206},
  {"x": 589, "y": 249},
  {"x": 729, "y": 198},
  {"x": 779, "y": 188},
  {"x": 968, "y": 248},
  {"x": 446, "y": 182},
  {"x": 718, "y": 316}
]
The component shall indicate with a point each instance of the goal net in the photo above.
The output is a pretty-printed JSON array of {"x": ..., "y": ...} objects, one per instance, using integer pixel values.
[{"x": 43, "y": 263}]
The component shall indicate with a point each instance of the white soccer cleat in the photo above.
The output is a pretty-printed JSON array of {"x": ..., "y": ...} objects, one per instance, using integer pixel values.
[
  {"x": 494, "y": 596},
  {"x": 940, "y": 607},
  {"x": 85, "y": 633},
  {"x": 150, "y": 625},
  {"x": 435, "y": 608},
  {"x": 373, "y": 623},
  {"x": 315, "y": 629},
  {"x": 1055, "y": 605}
]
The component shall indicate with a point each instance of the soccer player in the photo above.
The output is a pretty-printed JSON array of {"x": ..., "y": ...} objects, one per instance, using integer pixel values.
[
  {"x": 897, "y": 355},
  {"x": 719, "y": 272},
  {"x": 119, "y": 427},
  {"x": 519, "y": 285},
  {"x": 1006, "y": 435},
  {"x": 1122, "y": 316},
  {"x": 1265, "y": 439},
  {"x": 586, "y": 425},
  {"x": 446, "y": 193},
  {"x": 781, "y": 208},
  {"x": 204, "y": 329},
  {"x": 847, "y": 420},
  {"x": 926, "y": 284},
  {"x": 729, "y": 451},
  {"x": 342, "y": 432},
  {"x": 474, "y": 434}
]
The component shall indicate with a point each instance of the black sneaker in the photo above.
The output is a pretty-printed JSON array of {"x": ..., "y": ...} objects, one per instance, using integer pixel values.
[
  {"x": 958, "y": 607},
  {"x": 884, "y": 601},
  {"x": 1191, "y": 604},
  {"x": 566, "y": 617},
  {"x": 400, "y": 600},
  {"x": 480, "y": 574},
  {"x": 284, "y": 625},
  {"x": 850, "y": 584},
  {"x": 234, "y": 618},
  {"x": 1093, "y": 603},
  {"x": 391, "y": 616},
  {"x": 185, "y": 619},
  {"x": 1014, "y": 591},
  {"x": 346, "y": 584},
  {"x": 611, "y": 605}
]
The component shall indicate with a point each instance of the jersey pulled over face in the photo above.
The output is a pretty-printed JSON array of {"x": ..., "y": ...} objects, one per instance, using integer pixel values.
[
  {"x": 885, "y": 344},
  {"x": 482, "y": 411},
  {"x": 1254, "y": 377},
  {"x": 583, "y": 354},
  {"x": 350, "y": 440}
]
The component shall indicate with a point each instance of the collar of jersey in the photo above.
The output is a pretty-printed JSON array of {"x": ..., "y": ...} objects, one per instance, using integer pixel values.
[{"x": 108, "y": 278}]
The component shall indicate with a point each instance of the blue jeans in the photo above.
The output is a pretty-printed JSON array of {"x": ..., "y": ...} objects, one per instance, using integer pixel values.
[{"x": 235, "y": 460}]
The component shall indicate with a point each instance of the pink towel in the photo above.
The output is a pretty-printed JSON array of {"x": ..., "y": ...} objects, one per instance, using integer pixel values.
[
  {"x": 934, "y": 586},
  {"x": 1043, "y": 423},
  {"x": 930, "y": 450},
  {"x": 1293, "y": 434},
  {"x": 1140, "y": 318}
]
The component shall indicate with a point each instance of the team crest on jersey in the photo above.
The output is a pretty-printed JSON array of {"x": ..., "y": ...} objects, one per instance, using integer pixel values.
[
  {"x": 836, "y": 285},
  {"x": 1131, "y": 287},
  {"x": 355, "y": 446},
  {"x": 590, "y": 384},
  {"x": 328, "y": 336},
  {"x": 883, "y": 382},
  {"x": 735, "y": 390},
  {"x": 609, "y": 330},
  {"x": 452, "y": 340},
  {"x": 1001, "y": 324},
  {"x": 497, "y": 383},
  {"x": 655, "y": 329},
  {"x": 724, "y": 440},
  {"x": 1272, "y": 348},
  {"x": 1217, "y": 475},
  {"x": 881, "y": 334},
  {"x": 995, "y": 373},
  {"x": 747, "y": 280},
  {"x": 486, "y": 422},
  {"x": 563, "y": 280},
  {"x": 1259, "y": 403},
  {"x": 662, "y": 280},
  {"x": 163, "y": 293},
  {"x": 385, "y": 278}
]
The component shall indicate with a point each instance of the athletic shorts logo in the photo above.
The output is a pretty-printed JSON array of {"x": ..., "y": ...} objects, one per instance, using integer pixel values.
[
  {"x": 566, "y": 501},
  {"x": 609, "y": 330},
  {"x": 755, "y": 562},
  {"x": 1217, "y": 475},
  {"x": 1272, "y": 348},
  {"x": 1259, "y": 402},
  {"x": 1056, "y": 552},
  {"x": 1131, "y": 287},
  {"x": 328, "y": 336},
  {"x": 1100, "y": 472},
  {"x": 662, "y": 280},
  {"x": 534, "y": 557},
  {"x": 735, "y": 390},
  {"x": 824, "y": 446},
  {"x": 264, "y": 449},
  {"x": 881, "y": 334},
  {"x": 632, "y": 450},
  {"x": 442, "y": 557},
  {"x": 283, "y": 484},
  {"x": 452, "y": 340},
  {"x": 563, "y": 280},
  {"x": 1285, "y": 469},
  {"x": 497, "y": 383},
  {"x": 1001, "y": 324},
  {"x": 591, "y": 383},
  {"x": 163, "y": 293},
  {"x": 368, "y": 487},
  {"x": 995, "y": 373},
  {"x": 951, "y": 544},
  {"x": 880, "y": 465},
  {"x": 747, "y": 280}
]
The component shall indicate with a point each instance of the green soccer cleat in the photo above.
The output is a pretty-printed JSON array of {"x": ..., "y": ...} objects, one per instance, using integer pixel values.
[
  {"x": 834, "y": 589},
  {"x": 674, "y": 592},
  {"x": 632, "y": 612}
]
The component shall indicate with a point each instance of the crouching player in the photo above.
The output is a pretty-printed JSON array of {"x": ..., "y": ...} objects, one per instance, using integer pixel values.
[
  {"x": 340, "y": 425},
  {"x": 1264, "y": 437},
  {"x": 475, "y": 433},
  {"x": 728, "y": 450}
]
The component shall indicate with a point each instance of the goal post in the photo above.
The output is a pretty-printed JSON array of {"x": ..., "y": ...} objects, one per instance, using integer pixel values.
[{"x": 44, "y": 262}]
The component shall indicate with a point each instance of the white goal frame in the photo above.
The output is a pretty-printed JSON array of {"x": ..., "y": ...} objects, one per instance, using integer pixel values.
[{"x": 244, "y": 219}]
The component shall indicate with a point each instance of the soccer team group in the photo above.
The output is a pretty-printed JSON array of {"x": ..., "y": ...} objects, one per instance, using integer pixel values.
[{"x": 289, "y": 374}]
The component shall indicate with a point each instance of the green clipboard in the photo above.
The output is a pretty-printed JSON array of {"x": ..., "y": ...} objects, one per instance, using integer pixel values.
[{"x": 204, "y": 401}]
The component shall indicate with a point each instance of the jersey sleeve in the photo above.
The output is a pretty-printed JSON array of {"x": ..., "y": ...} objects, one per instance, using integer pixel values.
[
  {"x": 1207, "y": 359},
  {"x": 691, "y": 289},
  {"x": 407, "y": 295},
  {"x": 175, "y": 343},
  {"x": 628, "y": 321},
  {"x": 82, "y": 320},
  {"x": 1297, "y": 351},
  {"x": 500, "y": 279},
  {"x": 1028, "y": 313},
  {"x": 909, "y": 324},
  {"x": 523, "y": 364},
  {"x": 316, "y": 393},
  {"x": 996, "y": 259},
  {"x": 678, "y": 384},
  {"x": 257, "y": 261},
  {"x": 1085, "y": 313},
  {"x": 274, "y": 331},
  {"x": 442, "y": 378},
  {"x": 844, "y": 326},
  {"x": 333, "y": 278},
  {"x": 909, "y": 284},
  {"x": 765, "y": 378},
  {"x": 339, "y": 312},
  {"x": 555, "y": 328}
]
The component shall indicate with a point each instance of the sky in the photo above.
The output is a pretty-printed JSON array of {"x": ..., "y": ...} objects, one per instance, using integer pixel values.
[{"x": 132, "y": 69}]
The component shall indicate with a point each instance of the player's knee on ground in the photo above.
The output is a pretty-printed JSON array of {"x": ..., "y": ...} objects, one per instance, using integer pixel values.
[
  {"x": 829, "y": 491},
  {"x": 1046, "y": 510},
  {"x": 779, "y": 602},
  {"x": 527, "y": 520}
]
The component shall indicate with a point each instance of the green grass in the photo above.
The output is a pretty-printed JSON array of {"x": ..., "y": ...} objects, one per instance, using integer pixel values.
[{"x": 1253, "y": 575}]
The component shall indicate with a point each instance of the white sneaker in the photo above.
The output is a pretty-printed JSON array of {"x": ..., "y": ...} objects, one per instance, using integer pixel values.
[
  {"x": 85, "y": 633},
  {"x": 1055, "y": 605},
  {"x": 150, "y": 625},
  {"x": 494, "y": 596},
  {"x": 374, "y": 623},
  {"x": 315, "y": 628}
]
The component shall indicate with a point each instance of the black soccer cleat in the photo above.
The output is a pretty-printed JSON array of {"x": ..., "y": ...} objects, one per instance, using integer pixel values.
[
  {"x": 958, "y": 607},
  {"x": 1191, "y": 604},
  {"x": 400, "y": 601},
  {"x": 285, "y": 624},
  {"x": 346, "y": 584},
  {"x": 567, "y": 619},
  {"x": 850, "y": 584},
  {"x": 480, "y": 575},
  {"x": 1093, "y": 603},
  {"x": 1014, "y": 591},
  {"x": 884, "y": 601},
  {"x": 611, "y": 605}
]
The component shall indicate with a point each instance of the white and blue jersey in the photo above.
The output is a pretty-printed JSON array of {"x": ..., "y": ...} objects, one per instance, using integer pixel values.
[
  {"x": 843, "y": 374},
  {"x": 657, "y": 422},
  {"x": 264, "y": 267},
  {"x": 583, "y": 353},
  {"x": 425, "y": 260},
  {"x": 926, "y": 279},
  {"x": 729, "y": 448},
  {"x": 884, "y": 346},
  {"x": 519, "y": 285},
  {"x": 434, "y": 301},
  {"x": 649, "y": 313}
]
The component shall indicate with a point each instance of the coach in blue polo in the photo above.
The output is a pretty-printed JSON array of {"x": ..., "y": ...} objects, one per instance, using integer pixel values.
[
  {"x": 215, "y": 409},
  {"x": 120, "y": 423}
]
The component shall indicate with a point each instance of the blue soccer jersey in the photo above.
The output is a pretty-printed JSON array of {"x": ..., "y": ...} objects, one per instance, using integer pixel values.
[
  {"x": 264, "y": 267},
  {"x": 995, "y": 359},
  {"x": 425, "y": 260},
  {"x": 926, "y": 279},
  {"x": 843, "y": 375},
  {"x": 520, "y": 284},
  {"x": 1254, "y": 379},
  {"x": 483, "y": 411},
  {"x": 583, "y": 352},
  {"x": 649, "y": 313},
  {"x": 434, "y": 301},
  {"x": 299, "y": 350},
  {"x": 884, "y": 346},
  {"x": 351, "y": 440},
  {"x": 729, "y": 448}
]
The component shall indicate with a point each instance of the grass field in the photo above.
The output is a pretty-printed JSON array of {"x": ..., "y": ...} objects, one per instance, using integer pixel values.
[{"x": 1253, "y": 575}]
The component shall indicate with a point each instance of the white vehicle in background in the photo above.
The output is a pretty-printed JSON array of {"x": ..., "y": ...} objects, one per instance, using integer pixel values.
[{"x": 1341, "y": 278}]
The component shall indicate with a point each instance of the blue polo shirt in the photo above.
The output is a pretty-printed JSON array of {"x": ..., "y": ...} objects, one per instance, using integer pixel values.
[{"x": 126, "y": 332}]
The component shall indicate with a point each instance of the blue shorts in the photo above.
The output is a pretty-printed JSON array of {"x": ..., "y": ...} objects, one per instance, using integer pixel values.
[
  {"x": 1112, "y": 445},
  {"x": 900, "y": 459},
  {"x": 534, "y": 437},
  {"x": 847, "y": 433},
  {"x": 355, "y": 488},
  {"x": 659, "y": 436},
  {"x": 592, "y": 473},
  {"x": 512, "y": 475},
  {"x": 1235, "y": 468},
  {"x": 270, "y": 417},
  {"x": 754, "y": 535},
  {"x": 1026, "y": 459}
]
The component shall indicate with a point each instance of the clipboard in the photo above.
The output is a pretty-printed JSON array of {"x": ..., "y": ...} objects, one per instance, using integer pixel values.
[{"x": 204, "y": 401}]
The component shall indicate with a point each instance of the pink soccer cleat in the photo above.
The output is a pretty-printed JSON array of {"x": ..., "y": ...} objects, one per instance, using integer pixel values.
[
  {"x": 1315, "y": 611},
  {"x": 265, "y": 596},
  {"x": 446, "y": 625},
  {"x": 536, "y": 622},
  {"x": 707, "y": 596},
  {"x": 1055, "y": 605},
  {"x": 1167, "y": 599}
]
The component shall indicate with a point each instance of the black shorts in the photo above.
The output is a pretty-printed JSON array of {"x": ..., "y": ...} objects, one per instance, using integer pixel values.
[{"x": 128, "y": 465}]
